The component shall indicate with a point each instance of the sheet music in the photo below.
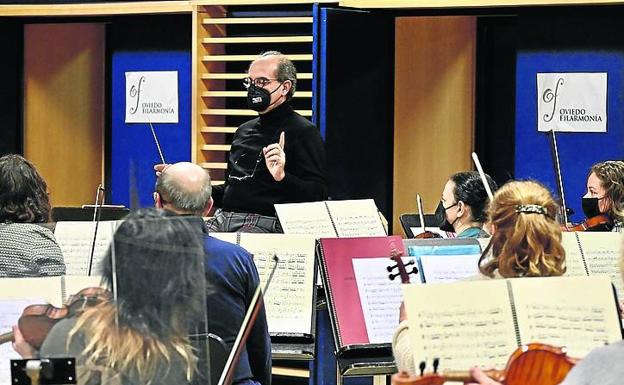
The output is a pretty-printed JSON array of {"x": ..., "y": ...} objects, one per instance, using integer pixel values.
[
  {"x": 228, "y": 237},
  {"x": 463, "y": 324},
  {"x": 309, "y": 218},
  {"x": 356, "y": 218},
  {"x": 380, "y": 297},
  {"x": 75, "y": 240},
  {"x": 602, "y": 253},
  {"x": 46, "y": 288},
  {"x": 10, "y": 311},
  {"x": 576, "y": 312},
  {"x": 443, "y": 234},
  {"x": 573, "y": 257},
  {"x": 449, "y": 268},
  {"x": 289, "y": 298}
]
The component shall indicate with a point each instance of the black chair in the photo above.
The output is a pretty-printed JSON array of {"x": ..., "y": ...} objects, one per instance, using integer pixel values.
[
  {"x": 413, "y": 220},
  {"x": 218, "y": 356}
]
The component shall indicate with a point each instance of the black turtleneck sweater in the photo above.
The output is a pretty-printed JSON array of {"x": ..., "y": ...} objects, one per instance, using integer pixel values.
[{"x": 305, "y": 164}]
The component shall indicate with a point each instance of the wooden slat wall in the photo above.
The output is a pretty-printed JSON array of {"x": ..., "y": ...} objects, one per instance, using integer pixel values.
[
  {"x": 423, "y": 4},
  {"x": 64, "y": 107},
  {"x": 210, "y": 129},
  {"x": 434, "y": 107},
  {"x": 216, "y": 83}
]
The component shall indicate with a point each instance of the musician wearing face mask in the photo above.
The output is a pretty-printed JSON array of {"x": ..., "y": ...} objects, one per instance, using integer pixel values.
[
  {"x": 464, "y": 202},
  {"x": 278, "y": 157},
  {"x": 526, "y": 242},
  {"x": 605, "y": 195}
]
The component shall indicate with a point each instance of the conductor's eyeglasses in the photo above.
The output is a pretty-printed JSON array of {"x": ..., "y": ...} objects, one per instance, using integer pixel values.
[{"x": 258, "y": 82}]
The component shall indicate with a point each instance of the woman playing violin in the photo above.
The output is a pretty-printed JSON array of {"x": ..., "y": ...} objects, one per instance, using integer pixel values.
[
  {"x": 141, "y": 337},
  {"x": 526, "y": 242},
  {"x": 602, "y": 366},
  {"x": 605, "y": 195},
  {"x": 462, "y": 207}
]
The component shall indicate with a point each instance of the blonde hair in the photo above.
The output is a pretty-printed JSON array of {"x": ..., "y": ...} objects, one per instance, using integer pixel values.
[
  {"x": 526, "y": 243},
  {"x": 156, "y": 262},
  {"x": 126, "y": 350},
  {"x": 611, "y": 175}
]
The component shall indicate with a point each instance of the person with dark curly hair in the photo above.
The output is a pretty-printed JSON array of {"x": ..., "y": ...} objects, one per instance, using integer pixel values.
[
  {"x": 26, "y": 249},
  {"x": 464, "y": 202},
  {"x": 605, "y": 194}
]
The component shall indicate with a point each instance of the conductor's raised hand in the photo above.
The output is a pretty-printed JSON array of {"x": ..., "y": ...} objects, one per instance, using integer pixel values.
[{"x": 275, "y": 158}]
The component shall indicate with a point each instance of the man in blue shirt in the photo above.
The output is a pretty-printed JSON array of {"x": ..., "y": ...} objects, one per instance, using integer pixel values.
[{"x": 231, "y": 275}]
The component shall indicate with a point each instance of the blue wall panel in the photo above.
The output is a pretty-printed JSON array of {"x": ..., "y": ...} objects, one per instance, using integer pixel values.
[
  {"x": 133, "y": 151},
  {"x": 578, "y": 151}
]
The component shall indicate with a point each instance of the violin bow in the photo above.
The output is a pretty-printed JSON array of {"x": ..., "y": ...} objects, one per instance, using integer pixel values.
[
  {"x": 488, "y": 190},
  {"x": 250, "y": 318},
  {"x": 420, "y": 212},
  {"x": 160, "y": 153},
  {"x": 97, "y": 213},
  {"x": 559, "y": 178},
  {"x": 114, "y": 281}
]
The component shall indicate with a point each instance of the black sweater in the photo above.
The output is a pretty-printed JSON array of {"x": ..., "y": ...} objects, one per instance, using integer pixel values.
[{"x": 305, "y": 164}]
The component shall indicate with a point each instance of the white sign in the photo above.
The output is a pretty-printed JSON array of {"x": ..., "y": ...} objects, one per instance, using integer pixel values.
[
  {"x": 152, "y": 96},
  {"x": 575, "y": 102}
]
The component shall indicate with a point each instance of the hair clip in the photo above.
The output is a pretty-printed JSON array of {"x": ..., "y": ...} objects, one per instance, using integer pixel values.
[{"x": 531, "y": 209}]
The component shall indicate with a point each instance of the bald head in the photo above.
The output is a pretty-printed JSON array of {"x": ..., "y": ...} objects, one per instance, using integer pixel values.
[{"x": 185, "y": 188}]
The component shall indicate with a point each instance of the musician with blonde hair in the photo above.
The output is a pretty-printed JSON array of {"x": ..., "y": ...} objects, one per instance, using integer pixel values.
[
  {"x": 526, "y": 238},
  {"x": 140, "y": 338},
  {"x": 526, "y": 242},
  {"x": 602, "y": 366}
]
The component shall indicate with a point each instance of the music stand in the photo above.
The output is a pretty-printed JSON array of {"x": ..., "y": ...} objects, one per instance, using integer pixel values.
[
  {"x": 43, "y": 371},
  {"x": 85, "y": 213},
  {"x": 409, "y": 220}
]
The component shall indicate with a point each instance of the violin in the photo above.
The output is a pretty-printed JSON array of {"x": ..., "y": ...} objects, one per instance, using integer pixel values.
[
  {"x": 36, "y": 321},
  {"x": 535, "y": 364},
  {"x": 600, "y": 222},
  {"x": 425, "y": 234}
]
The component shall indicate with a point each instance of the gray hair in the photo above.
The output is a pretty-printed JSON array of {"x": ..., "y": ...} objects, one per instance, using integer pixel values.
[
  {"x": 285, "y": 71},
  {"x": 172, "y": 192}
]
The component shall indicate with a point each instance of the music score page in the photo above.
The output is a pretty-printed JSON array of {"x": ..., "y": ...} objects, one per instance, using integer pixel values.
[{"x": 288, "y": 301}]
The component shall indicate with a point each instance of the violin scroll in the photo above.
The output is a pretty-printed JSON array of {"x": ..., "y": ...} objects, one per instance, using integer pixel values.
[{"x": 401, "y": 267}]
